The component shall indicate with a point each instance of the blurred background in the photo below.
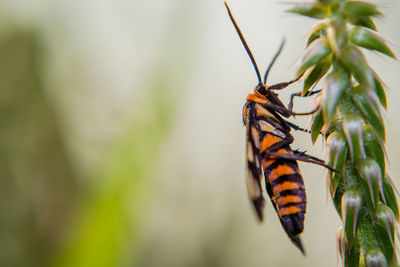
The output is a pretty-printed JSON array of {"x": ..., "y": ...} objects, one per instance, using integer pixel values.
[{"x": 121, "y": 140}]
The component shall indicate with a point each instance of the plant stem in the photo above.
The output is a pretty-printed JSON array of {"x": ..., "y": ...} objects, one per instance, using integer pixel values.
[{"x": 350, "y": 118}]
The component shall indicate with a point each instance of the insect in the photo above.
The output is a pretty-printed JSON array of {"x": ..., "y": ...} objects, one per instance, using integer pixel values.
[{"x": 268, "y": 151}]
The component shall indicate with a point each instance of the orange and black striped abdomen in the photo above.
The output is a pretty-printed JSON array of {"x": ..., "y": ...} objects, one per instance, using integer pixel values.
[{"x": 285, "y": 187}]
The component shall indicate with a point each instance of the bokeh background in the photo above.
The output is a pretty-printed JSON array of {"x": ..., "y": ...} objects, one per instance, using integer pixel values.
[{"x": 121, "y": 141}]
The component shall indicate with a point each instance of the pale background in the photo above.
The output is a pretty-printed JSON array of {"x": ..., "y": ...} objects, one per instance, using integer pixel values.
[{"x": 101, "y": 57}]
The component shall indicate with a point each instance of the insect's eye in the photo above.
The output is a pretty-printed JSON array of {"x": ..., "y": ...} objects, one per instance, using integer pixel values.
[{"x": 261, "y": 89}]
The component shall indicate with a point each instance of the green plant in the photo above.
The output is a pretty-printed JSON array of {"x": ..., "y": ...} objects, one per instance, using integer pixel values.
[{"x": 350, "y": 118}]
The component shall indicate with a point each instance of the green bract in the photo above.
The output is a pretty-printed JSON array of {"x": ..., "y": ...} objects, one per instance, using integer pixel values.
[
  {"x": 356, "y": 64},
  {"x": 380, "y": 91},
  {"x": 374, "y": 148},
  {"x": 316, "y": 127},
  {"x": 360, "y": 8},
  {"x": 367, "y": 39},
  {"x": 351, "y": 206},
  {"x": 316, "y": 74},
  {"x": 390, "y": 197},
  {"x": 336, "y": 85},
  {"x": 337, "y": 158},
  {"x": 314, "y": 10},
  {"x": 316, "y": 32},
  {"x": 375, "y": 258},
  {"x": 371, "y": 179},
  {"x": 366, "y": 100},
  {"x": 353, "y": 129},
  {"x": 315, "y": 52},
  {"x": 384, "y": 227},
  {"x": 366, "y": 22}
]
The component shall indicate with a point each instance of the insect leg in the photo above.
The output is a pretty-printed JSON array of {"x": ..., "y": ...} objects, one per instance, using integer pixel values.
[
  {"x": 315, "y": 160},
  {"x": 310, "y": 93},
  {"x": 304, "y": 158},
  {"x": 301, "y": 156},
  {"x": 280, "y": 86},
  {"x": 303, "y": 153},
  {"x": 290, "y": 107},
  {"x": 297, "y": 128},
  {"x": 286, "y": 112}
]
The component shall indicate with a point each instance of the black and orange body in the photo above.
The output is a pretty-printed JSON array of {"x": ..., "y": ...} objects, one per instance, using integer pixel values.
[
  {"x": 267, "y": 133},
  {"x": 268, "y": 152}
]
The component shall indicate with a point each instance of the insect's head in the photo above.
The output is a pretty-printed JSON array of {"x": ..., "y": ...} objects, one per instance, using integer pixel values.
[{"x": 262, "y": 89}]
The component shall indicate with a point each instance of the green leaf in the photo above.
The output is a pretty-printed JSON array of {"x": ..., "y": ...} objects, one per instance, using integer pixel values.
[
  {"x": 337, "y": 198},
  {"x": 367, "y": 39},
  {"x": 380, "y": 91},
  {"x": 384, "y": 228},
  {"x": 352, "y": 256},
  {"x": 334, "y": 180},
  {"x": 336, "y": 84},
  {"x": 366, "y": 22},
  {"x": 375, "y": 258},
  {"x": 314, "y": 53},
  {"x": 371, "y": 177},
  {"x": 361, "y": 8},
  {"x": 337, "y": 158},
  {"x": 367, "y": 102},
  {"x": 316, "y": 126},
  {"x": 317, "y": 73},
  {"x": 351, "y": 206},
  {"x": 390, "y": 196},
  {"x": 374, "y": 148},
  {"x": 313, "y": 10},
  {"x": 316, "y": 32},
  {"x": 353, "y": 128},
  {"x": 356, "y": 63},
  {"x": 340, "y": 243}
]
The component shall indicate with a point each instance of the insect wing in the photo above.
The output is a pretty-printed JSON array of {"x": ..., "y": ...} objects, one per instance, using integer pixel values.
[{"x": 254, "y": 174}]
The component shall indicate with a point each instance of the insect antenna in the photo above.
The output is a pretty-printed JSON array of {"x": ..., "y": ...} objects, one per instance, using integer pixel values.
[
  {"x": 239, "y": 32},
  {"x": 273, "y": 60}
]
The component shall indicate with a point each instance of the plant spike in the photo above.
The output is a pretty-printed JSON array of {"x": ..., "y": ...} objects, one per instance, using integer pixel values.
[{"x": 351, "y": 104}]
